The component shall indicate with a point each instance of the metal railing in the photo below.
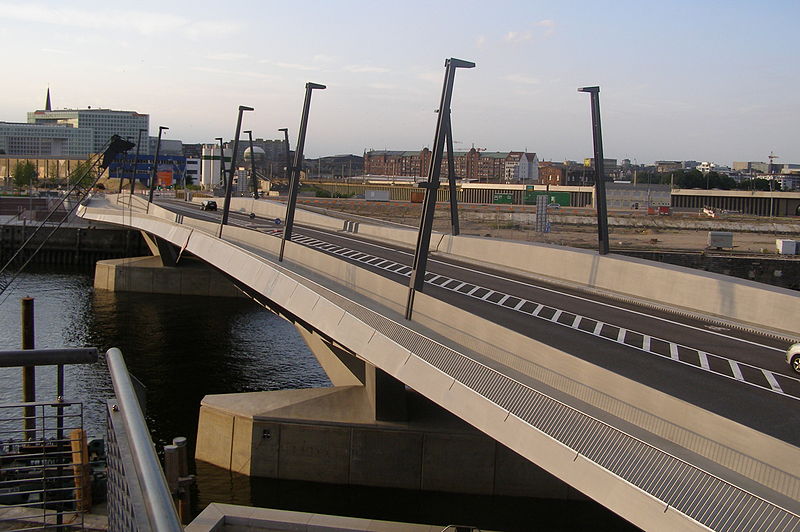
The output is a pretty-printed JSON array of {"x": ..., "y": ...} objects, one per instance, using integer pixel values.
[{"x": 139, "y": 498}]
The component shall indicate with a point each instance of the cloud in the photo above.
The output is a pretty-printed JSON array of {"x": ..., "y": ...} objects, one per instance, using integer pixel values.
[
  {"x": 516, "y": 78},
  {"x": 56, "y": 51},
  {"x": 143, "y": 22},
  {"x": 239, "y": 73},
  {"x": 293, "y": 66},
  {"x": 549, "y": 25},
  {"x": 480, "y": 41},
  {"x": 227, "y": 56},
  {"x": 515, "y": 36},
  {"x": 381, "y": 86},
  {"x": 365, "y": 68}
]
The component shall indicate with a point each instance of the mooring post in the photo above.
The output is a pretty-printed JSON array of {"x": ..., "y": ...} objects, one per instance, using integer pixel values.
[{"x": 28, "y": 372}]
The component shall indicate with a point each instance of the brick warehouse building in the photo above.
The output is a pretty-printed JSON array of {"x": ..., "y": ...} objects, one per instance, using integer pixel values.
[{"x": 473, "y": 165}]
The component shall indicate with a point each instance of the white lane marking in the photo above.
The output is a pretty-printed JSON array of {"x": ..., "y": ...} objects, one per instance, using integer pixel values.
[
  {"x": 773, "y": 383},
  {"x": 434, "y": 278},
  {"x": 551, "y": 290},
  {"x": 456, "y": 288},
  {"x": 703, "y": 359},
  {"x": 576, "y": 322},
  {"x": 673, "y": 351},
  {"x": 502, "y": 299},
  {"x": 737, "y": 371}
]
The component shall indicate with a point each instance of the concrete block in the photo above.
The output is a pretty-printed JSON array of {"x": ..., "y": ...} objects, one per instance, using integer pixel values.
[
  {"x": 458, "y": 462},
  {"x": 214, "y": 437},
  {"x": 265, "y": 449},
  {"x": 242, "y": 439},
  {"x": 386, "y": 458},
  {"x": 313, "y": 453}
]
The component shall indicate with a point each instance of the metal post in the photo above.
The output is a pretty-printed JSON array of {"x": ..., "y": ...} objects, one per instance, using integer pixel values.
[
  {"x": 451, "y": 178},
  {"x": 599, "y": 181},
  {"x": 221, "y": 162},
  {"x": 28, "y": 372},
  {"x": 253, "y": 165},
  {"x": 229, "y": 185},
  {"x": 288, "y": 154},
  {"x": 294, "y": 179},
  {"x": 417, "y": 280},
  {"x": 154, "y": 169},
  {"x": 136, "y": 160}
]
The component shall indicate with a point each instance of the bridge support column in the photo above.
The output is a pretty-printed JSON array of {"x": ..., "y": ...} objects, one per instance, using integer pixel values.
[
  {"x": 384, "y": 395},
  {"x": 161, "y": 248}
]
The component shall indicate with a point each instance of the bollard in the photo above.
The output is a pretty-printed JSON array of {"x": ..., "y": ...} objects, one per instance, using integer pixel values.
[
  {"x": 183, "y": 460},
  {"x": 28, "y": 372}
]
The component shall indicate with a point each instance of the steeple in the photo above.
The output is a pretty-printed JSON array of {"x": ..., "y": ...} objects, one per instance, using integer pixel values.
[{"x": 47, "y": 105}]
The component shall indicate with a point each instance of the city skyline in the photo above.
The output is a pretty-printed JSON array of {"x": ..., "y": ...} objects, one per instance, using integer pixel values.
[{"x": 679, "y": 80}]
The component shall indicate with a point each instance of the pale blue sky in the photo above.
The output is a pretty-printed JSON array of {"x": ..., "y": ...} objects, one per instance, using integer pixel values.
[{"x": 714, "y": 81}]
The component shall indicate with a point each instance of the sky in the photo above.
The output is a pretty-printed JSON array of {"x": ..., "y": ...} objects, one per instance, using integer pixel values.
[{"x": 697, "y": 80}]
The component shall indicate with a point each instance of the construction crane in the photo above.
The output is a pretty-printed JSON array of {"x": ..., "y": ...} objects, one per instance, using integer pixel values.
[{"x": 771, "y": 158}]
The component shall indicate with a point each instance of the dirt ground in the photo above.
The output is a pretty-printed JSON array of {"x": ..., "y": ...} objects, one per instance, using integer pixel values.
[{"x": 573, "y": 235}]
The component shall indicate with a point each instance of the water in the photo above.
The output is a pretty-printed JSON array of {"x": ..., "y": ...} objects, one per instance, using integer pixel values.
[{"x": 183, "y": 348}]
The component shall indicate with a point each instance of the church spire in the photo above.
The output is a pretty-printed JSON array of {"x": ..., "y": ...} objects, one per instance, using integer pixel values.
[{"x": 47, "y": 105}]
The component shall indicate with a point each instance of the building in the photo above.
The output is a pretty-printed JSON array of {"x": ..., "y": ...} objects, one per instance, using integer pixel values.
[
  {"x": 30, "y": 140},
  {"x": 473, "y": 165},
  {"x": 211, "y": 169},
  {"x": 750, "y": 167},
  {"x": 102, "y": 123},
  {"x": 552, "y": 174},
  {"x": 192, "y": 174}
]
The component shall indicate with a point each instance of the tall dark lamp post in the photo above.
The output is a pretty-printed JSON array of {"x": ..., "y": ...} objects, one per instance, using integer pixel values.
[
  {"x": 294, "y": 181},
  {"x": 253, "y": 164},
  {"x": 599, "y": 179},
  {"x": 221, "y": 162},
  {"x": 288, "y": 153},
  {"x": 136, "y": 160},
  {"x": 229, "y": 185},
  {"x": 417, "y": 280},
  {"x": 154, "y": 169}
]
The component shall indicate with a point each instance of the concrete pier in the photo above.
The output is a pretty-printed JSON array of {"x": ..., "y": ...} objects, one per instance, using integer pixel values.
[{"x": 328, "y": 435}]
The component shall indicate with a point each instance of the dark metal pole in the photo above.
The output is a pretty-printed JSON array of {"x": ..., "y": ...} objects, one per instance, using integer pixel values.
[
  {"x": 599, "y": 180},
  {"x": 451, "y": 178},
  {"x": 136, "y": 160},
  {"x": 154, "y": 169},
  {"x": 288, "y": 154},
  {"x": 253, "y": 165},
  {"x": 432, "y": 185},
  {"x": 221, "y": 161},
  {"x": 122, "y": 172},
  {"x": 28, "y": 372},
  {"x": 294, "y": 179},
  {"x": 229, "y": 186}
]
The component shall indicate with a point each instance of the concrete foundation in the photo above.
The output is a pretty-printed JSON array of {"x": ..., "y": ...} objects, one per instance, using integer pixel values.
[
  {"x": 149, "y": 275},
  {"x": 326, "y": 435}
]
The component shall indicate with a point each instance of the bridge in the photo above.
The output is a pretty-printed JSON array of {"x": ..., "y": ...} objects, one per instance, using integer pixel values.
[{"x": 657, "y": 391}]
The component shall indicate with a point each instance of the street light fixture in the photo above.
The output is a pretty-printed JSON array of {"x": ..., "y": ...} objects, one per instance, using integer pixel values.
[
  {"x": 136, "y": 160},
  {"x": 229, "y": 186},
  {"x": 599, "y": 180},
  {"x": 253, "y": 164},
  {"x": 154, "y": 169},
  {"x": 417, "y": 280},
  {"x": 221, "y": 162},
  {"x": 294, "y": 181}
]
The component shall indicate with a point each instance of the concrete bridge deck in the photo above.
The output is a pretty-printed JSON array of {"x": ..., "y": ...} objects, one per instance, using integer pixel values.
[{"x": 656, "y": 460}]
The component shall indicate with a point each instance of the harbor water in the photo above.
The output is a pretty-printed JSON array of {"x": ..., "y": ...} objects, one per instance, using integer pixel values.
[{"x": 183, "y": 348}]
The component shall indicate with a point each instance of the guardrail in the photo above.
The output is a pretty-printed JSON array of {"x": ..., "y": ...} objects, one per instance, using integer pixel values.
[{"x": 138, "y": 496}]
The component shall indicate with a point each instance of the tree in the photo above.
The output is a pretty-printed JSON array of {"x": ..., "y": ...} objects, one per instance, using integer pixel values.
[
  {"x": 24, "y": 174},
  {"x": 83, "y": 174}
]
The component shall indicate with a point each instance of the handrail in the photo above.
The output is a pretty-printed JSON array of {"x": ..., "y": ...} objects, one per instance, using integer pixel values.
[
  {"x": 48, "y": 357},
  {"x": 160, "y": 508}
]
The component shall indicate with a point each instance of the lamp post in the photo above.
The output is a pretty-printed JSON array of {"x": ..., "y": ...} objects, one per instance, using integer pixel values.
[
  {"x": 136, "y": 160},
  {"x": 253, "y": 164},
  {"x": 599, "y": 180},
  {"x": 417, "y": 280},
  {"x": 154, "y": 169},
  {"x": 221, "y": 162},
  {"x": 294, "y": 181},
  {"x": 288, "y": 153},
  {"x": 229, "y": 185}
]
